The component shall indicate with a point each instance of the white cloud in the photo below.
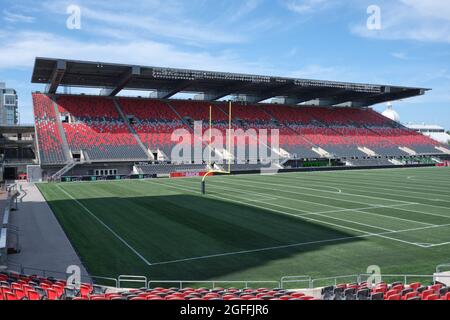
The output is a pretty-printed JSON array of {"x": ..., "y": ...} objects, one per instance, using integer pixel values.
[
  {"x": 184, "y": 30},
  {"x": 16, "y": 17},
  {"x": 246, "y": 7},
  {"x": 165, "y": 19},
  {"x": 418, "y": 20},
  {"x": 305, "y": 6},
  {"x": 400, "y": 55},
  {"x": 19, "y": 50}
]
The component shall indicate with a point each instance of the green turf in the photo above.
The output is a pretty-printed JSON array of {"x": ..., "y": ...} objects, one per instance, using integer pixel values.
[{"x": 260, "y": 227}]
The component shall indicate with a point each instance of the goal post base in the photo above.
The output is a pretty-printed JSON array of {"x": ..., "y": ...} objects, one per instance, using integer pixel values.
[{"x": 203, "y": 187}]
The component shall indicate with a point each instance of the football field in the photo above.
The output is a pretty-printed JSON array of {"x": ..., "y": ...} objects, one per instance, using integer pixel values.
[{"x": 259, "y": 227}]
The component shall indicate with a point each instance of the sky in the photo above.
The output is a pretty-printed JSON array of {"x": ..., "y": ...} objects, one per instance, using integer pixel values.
[{"x": 402, "y": 42}]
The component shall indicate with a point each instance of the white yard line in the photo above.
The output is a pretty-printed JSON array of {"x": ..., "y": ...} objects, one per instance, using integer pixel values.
[
  {"x": 438, "y": 245},
  {"x": 106, "y": 226},
  {"x": 353, "y": 210},
  {"x": 360, "y": 184},
  {"x": 388, "y": 179},
  {"x": 320, "y": 190},
  {"x": 300, "y": 244},
  {"x": 258, "y": 250},
  {"x": 315, "y": 195},
  {"x": 385, "y": 186},
  {"x": 365, "y": 235},
  {"x": 296, "y": 216},
  {"x": 416, "y": 211}
]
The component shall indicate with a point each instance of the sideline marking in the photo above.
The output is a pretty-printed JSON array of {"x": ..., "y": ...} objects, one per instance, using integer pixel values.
[{"x": 105, "y": 225}]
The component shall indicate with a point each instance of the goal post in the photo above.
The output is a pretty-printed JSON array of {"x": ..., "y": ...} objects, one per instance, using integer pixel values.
[{"x": 212, "y": 171}]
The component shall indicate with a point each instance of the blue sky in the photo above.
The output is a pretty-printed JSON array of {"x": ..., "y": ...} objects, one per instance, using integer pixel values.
[{"x": 318, "y": 39}]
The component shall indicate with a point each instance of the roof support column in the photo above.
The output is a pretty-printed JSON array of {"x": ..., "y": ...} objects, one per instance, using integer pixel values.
[
  {"x": 57, "y": 76},
  {"x": 124, "y": 80}
]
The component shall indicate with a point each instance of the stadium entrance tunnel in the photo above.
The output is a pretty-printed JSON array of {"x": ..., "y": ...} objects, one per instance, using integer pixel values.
[{"x": 181, "y": 236}]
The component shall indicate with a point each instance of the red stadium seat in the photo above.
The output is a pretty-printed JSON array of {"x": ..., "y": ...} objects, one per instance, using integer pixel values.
[
  {"x": 415, "y": 285},
  {"x": 394, "y": 297},
  {"x": 10, "y": 296},
  {"x": 20, "y": 294},
  {"x": 435, "y": 287},
  {"x": 410, "y": 295},
  {"x": 51, "y": 294},
  {"x": 424, "y": 295},
  {"x": 33, "y": 295}
]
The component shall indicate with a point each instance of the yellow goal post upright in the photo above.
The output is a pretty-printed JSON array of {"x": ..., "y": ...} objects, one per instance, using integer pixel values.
[{"x": 212, "y": 171}]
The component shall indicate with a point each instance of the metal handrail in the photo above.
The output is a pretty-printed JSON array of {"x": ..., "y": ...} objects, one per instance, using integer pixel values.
[
  {"x": 133, "y": 279},
  {"x": 407, "y": 276},
  {"x": 40, "y": 272},
  {"x": 295, "y": 279},
  {"x": 335, "y": 279},
  {"x": 441, "y": 266},
  {"x": 213, "y": 283},
  {"x": 116, "y": 281}
]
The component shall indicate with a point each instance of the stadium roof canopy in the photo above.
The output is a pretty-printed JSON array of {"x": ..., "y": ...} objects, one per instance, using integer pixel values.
[{"x": 209, "y": 85}]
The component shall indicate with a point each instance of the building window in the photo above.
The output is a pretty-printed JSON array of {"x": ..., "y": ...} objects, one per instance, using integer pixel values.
[
  {"x": 10, "y": 100},
  {"x": 106, "y": 172}
]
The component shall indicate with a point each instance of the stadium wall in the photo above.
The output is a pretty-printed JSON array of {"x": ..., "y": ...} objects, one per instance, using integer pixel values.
[
  {"x": 88, "y": 170},
  {"x": 311, "y": 169}
]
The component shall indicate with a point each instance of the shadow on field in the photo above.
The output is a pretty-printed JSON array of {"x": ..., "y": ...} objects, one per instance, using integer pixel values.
[{"x": 168, "y": 228}]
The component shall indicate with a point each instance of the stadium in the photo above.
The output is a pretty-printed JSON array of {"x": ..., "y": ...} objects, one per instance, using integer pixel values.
[{"x": 290, "y": 189}]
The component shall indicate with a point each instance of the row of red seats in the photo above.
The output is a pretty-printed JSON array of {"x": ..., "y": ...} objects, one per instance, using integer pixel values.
[
  {"x": 383, "y": 137},
  {"x": 412, "y": 291},
  {"x": 286, "y": 114},
  {"x": 93, "y": 108},
  {"x": 147, "y": 109},
  {"x": 403, "y": 137},
  {"x": 21, "y": 287},
  {"x": 81, "y": 136},
  {"x": 347, "y": 116},
  {"x": 321, "y": 136},
  {"x": 250, "y": 113},
  {"x": 330, "y": 116},
  {"x": 204, "y": 294},
  {"x": 199, "y": 110},
  {"x": 384, "y": 291},
  {"x": 48, "y": 134}
]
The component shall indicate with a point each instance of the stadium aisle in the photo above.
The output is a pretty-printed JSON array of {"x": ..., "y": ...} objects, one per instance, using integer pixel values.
[{"x": 44, "y": 245}]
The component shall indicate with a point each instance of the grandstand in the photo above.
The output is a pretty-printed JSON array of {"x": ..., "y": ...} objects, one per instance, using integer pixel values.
[{"x": 316, "y": 120}]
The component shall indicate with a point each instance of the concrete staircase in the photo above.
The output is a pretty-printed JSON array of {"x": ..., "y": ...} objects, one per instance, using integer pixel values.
[
  {"x": 321, "y": 152},
  {"x": 445, "y": 150},
  {"x": 409, "y": 151},
  {"x": 367, "y": 151},
  {"x": 63, "y": 171},
  {"x": 186, "y": 123},
  {"x": 65, "y": 144},
  {"x": 133, "y": 132},
  {"x": 396, "y": 162}
]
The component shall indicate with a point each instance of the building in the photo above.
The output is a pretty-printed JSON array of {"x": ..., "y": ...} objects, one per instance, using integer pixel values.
[
  {"x": 390, "y": 113},
  {"x": 17, "y": 150},
  {"x": 433, "y": 131},
  {"x": 9, "y": 114}
]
